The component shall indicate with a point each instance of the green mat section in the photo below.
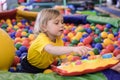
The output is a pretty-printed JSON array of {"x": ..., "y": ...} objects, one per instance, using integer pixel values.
[
  {"x": 104, "y": 20},
  {"x": 93, "y": 13},
  {"x": 51, "y": 76}
]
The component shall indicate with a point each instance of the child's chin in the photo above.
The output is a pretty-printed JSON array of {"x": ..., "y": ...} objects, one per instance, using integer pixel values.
[{"x": 59, "y": 34}]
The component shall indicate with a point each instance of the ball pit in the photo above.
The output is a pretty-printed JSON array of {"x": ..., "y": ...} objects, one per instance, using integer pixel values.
[{"x": 89, "y": 35}]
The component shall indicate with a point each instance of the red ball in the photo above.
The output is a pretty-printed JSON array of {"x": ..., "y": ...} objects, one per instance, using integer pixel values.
[
  {"x": 116, "y": 52},
  {"x": 67, "y": 43},
  {"x": 65, "y": 31},
  {"x": 105, "y": 51},
  {"x": 18, "y": 34},
  {"x": 16, "y": 61},
  {"x": 26, "y": 43},
  {"x": 87, "y": 40},
  {"x": 110, "y": 47}
]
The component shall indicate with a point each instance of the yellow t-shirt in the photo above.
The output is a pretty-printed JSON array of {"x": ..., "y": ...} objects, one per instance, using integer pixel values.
[{"x": 37, "y": 56}]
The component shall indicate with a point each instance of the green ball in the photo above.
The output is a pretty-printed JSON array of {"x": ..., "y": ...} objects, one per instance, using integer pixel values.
[
  {"x": 106, "y": 29},
  {"x": 96, "y": 51},
  {"x": 92, "y": 24},
  {"x": 82, "y": 30},
  {"x": 98, "y": 40},
  {"x": 97, "y": 31},
  {"x": 4, "y": 26},
  {"x": 74, "y": 41},
  {"x": 18, "y": 45}
]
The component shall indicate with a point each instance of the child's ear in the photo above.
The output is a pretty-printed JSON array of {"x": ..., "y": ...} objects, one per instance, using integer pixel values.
[{"x": 44, "y": 28}]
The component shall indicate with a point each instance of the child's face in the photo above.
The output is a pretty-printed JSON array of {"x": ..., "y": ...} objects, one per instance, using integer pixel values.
[{"x": 55, "y": 27}]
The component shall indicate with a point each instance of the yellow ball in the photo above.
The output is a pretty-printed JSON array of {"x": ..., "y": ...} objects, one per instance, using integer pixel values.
[
  {"x": 91, "y": 53},
  {"x": 110, "y": 36},
  {"x": 31, "y": 37},
  {"x": 107, "y": 41},
  {"x": 104, "y": 34},
  {"x": 70, "y": 35},
  {"x": 7, "y": 51},
  {"x": 47, "y": 71}
]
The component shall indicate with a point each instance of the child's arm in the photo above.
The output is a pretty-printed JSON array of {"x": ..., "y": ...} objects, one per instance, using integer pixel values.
[
  {"x": 59, "y": 50},
  {"x": 117, "y": 67}
]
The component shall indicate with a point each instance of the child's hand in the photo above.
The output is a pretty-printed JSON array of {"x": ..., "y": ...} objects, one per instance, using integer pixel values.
[
  {"x": 117, "y": 67},
  {"x": 82, "y": 50}
]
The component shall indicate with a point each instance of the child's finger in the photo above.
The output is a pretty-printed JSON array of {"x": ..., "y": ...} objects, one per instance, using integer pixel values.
[
  {"x": 89, "y": 49},
  {"x": 118, "y": 57}
]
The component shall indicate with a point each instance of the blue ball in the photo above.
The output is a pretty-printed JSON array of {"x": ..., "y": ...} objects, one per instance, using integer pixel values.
[
  {"x": 12, "y": 69},
  {"x": 108, "y": 26},
  {"x": 18, "y": 53},
  {"x": 12, "y": 34},
  {"x": 99, "y": 46},
  {"x": 23, "y": 49},
  {"x": 115, "y": 34},
  {"x": 88, "y": 30},
  {"x": 81, "y": 40},
  {"x": 85, "y": 35},
  {"x": 27, "y": 27},
  {"x": 30, "y": 31},
  {"x": 93, "y": 44},
  {"x": 73, "y": 29},
  {"x": 64, "y": 39}
]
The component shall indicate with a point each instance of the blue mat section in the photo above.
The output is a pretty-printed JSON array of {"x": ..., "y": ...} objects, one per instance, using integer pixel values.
[
  {"x": 76, "y": 19},
  {"x": 111, "y": 74},
  {"x": 115, "y": 12}
]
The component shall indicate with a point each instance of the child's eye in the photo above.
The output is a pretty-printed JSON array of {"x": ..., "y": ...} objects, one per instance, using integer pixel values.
[
  {"x": 62, "y": 22},
  {"x": 56, "y": 23}
]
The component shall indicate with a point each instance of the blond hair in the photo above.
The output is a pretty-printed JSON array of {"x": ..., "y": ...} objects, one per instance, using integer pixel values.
[{"x": 43, "y": 17}]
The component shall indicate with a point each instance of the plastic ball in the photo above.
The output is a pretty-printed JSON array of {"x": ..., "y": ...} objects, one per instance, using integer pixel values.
[
  {"x": 70, "y": 35},
  {"x": 47, "y": 71},
  {"x": 66, "y": 31},
  {"x": 97, "y": 31},
  {"x": 107, "y": 41},
  {"x": 108, "y": 26},
  {"x": 31, "y": 37},
  {"x": 7, "y": 50},
  {"x": 96, "y": 51},
  {"x": 110, "y": 47},
  {"x": 116, "y": 52},
  {"x": 104, "y": 51},
  {"x": 18, "y": 53},
  {"x": 66, "y": 39},
  {"x": 88, "y": 30},
  {"x": 18, "y": 34},
  {"x": 97, "y": 39},
  {"x": 23, "y": 49},
  {"x": 91, "y": 53},
  {"x": 18, "y": 39},
  {"x": 12, "y": 69},
  {"x": 98, "y": 46},
  {"x": 26, "y": 43},
  {"x": 16, "y": 61},
  {"x": 18, "y": 45},
  {"x": 104, "y": 34},
  {"x": 110, "y": 36},
  {"x": 23, "y": 34}
]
